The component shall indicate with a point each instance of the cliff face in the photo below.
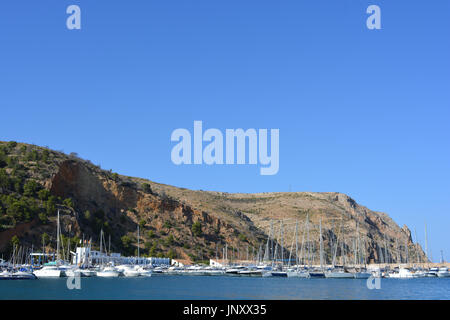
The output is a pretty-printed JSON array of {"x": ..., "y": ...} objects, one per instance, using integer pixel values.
[
  {"x": 193, "y": 225},
  {"x": 125, "y": 205}
]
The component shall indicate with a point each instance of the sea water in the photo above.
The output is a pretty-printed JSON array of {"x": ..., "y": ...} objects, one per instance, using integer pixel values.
[{"x": 223, "y": 287}]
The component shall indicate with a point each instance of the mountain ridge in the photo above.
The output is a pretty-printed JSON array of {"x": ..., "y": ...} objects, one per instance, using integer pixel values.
[{"x": 181, "y": 223}]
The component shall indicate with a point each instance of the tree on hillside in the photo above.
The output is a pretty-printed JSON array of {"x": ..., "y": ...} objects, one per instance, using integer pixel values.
[
  {"x": 197, "y": 229},
  {"x": 147, "y": 188},
  {"x": 15, "y": 241},
  {"x": 45, "y": 238},
  {"x": 30, "y": 188}
]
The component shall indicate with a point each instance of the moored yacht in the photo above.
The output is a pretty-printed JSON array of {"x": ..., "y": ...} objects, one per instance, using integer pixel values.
[
  {"x": 297, "y": 273},
  {"x": 23, "y": 275},
  {"x": 433, "y": 272},
  {"x": 234, "y": 271},
  {"x": 143, "y": 272},
  {"x": 108, "y": 272},
  {"x": 5, "y": 275},
  {"x": 316, "y": 274},
  {"x": 88, "y": 273},
  {"x": 130, "y": 271},
  {"x": 339, "y": 274},
  {"x": 48, "y": 271},
  {"x": 251, "y": 273},
  {"x": 443, "y": 273},
  {"x": 403, "y": 273}
]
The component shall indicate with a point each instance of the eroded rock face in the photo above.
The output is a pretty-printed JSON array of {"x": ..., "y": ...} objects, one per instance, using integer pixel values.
[
  {"x": 92, "y": 190},
  {"x": 74, "y": 180}
]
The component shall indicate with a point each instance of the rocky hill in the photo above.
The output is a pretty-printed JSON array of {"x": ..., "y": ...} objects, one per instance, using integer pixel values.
[{"x": 35, "y": 182}]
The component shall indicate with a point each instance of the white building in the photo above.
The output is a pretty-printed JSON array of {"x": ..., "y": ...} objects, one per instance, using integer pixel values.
[{"x": 86, "y": 256}]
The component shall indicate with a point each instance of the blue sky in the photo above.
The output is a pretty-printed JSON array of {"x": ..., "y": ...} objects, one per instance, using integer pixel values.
[{"x": 363, "y": 112}]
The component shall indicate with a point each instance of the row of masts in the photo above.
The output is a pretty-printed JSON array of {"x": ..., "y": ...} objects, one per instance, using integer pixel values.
[
  {"x": 302, "y": 252},
  {"x": 343, "y": 248}
]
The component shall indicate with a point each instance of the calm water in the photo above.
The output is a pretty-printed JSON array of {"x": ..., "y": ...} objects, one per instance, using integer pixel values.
[{"x": 185, "y": 287}]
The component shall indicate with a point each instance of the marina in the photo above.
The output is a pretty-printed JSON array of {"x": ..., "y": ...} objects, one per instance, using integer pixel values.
[{"x": 85, "y": 262}]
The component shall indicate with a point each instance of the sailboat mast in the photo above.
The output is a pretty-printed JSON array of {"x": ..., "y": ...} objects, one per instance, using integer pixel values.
[
  {"x": 138, "y": 242},
  {"x": 416, "y": 246},
  {"x": 302, "y": 258},
  {"x": 282, "y": 241},
  {"x": 426, "y": 242},
  {"x": 399, "y": 258},
  {"x": 296, "y": 243},
  {"x": 101, "y": 237},
  {"x": 406, "y": 250},
  {"x": 267, "y": 253},
  {"x": 321, "y": 245},
  {"x": 57, "y": 237},
  {"x": 307, "y": 240}
]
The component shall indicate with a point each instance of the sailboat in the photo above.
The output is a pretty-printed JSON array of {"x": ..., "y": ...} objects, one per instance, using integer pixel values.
[
  {"x": 52, "y": 269},
  {"x": 312, "y": 272},
  {"x": 297, "y": 272},
  {"x": 277, "y": 271},
  {"x": 360, "y": 273},
  {"x": 106, "y": 271},
  {"x": 339, "y": 272}
]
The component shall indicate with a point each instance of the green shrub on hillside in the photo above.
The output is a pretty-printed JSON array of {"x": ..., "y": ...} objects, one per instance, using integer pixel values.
[
  {"x": 31, "y": 188},
  {"x": 147, "y": 188},
  {"x": 197, "y": 229}
]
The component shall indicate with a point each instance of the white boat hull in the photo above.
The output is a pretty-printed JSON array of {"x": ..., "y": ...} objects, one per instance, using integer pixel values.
[
  {"x": 108, "y": 274},
  {"x": 131, "y": 273},
  {"x": 298, "y": 274},
  {"x": 339, "y": 275},
  {"x": 48, "y": 273},
  {"x": 88, "y": 273}
]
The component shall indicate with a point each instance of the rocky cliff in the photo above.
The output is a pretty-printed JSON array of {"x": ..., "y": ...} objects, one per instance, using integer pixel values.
[{"x": 35, "y": 182}]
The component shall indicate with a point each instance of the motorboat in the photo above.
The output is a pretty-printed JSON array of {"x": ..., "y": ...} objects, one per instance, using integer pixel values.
[
  {"x": 5, "y": 275},
  {"x": 130, "y": 271},
  {"x": 17, "y": 275},
  {"x": 296, "y": 273},
  {"x": 197, "y": 271},
  {"x": 443, "y": 273},
  {"x": 339, "y": 274},
  {"x": 279, "y": 274},
  {"x": 88, "y": 273},
  {"x": 316, "y": 274},
  {"x": 143, "y": 272},
  {"x": 433, "y": 272},
  {"x": 213, "y": 271},
  {"x": 108, "y": 272},
  {"x": 403, "y": 273},
  {"x": 251, "y": 273},
  {"x": 419, "y": 274},
  {"x": 175, "y": 270},
  {"x": 158, "y": 270},
  {"x": 48, "y": 271},
  {"x": 233, "y": 271},
  {"x": 23, "y": 275}
]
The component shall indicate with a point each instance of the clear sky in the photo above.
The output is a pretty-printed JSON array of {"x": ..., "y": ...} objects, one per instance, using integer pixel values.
[{"x": 363, "y": 112}]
